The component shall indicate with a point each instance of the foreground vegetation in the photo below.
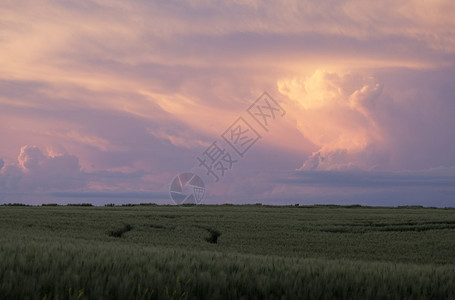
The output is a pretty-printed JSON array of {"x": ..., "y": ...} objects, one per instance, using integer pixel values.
[{"x": 232, "y": 252}]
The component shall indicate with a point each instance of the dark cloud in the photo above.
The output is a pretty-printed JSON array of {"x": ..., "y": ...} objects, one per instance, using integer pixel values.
[
  {"x": 113, "y": 196},
  {"x": 428, "y": 188},
  {"x": 362, "y": 179}
]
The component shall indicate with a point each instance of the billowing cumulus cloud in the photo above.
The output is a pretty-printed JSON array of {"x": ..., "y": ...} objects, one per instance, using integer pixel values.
[
  {"x": 35, "y": 171},
  {"x": 51, "y": 177},
  {"x": 337, "y": 113},
  {"x": 30, "y": 158},
  {"x": 388, "y": 121}
]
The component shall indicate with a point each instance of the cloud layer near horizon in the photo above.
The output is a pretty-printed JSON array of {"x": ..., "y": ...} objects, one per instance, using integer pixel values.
[{"x": 139, "y": 89}]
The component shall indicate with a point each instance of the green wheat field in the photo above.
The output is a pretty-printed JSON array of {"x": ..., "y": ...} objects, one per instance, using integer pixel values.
[{"x": 226, "y": 252}]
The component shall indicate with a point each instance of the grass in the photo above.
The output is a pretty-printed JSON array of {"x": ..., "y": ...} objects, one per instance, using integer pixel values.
[
  {"x": 229, "y": 252},
  {"x": 120, "y": 231}
]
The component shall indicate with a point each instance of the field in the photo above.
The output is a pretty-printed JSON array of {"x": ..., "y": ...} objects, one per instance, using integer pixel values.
[{"x": 225, "y": 251}]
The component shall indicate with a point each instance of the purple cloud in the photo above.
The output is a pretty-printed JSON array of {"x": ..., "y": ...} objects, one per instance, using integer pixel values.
[{"x": 124, "y": 102}]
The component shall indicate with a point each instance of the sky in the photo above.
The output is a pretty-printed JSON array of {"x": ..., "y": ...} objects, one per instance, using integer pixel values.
[{"x": 273, "y": 102}]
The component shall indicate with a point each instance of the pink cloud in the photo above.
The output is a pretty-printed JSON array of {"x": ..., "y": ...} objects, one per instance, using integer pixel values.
[
  {"x": 135, "y": 90},
  {"x": 336, "y": 113}
]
